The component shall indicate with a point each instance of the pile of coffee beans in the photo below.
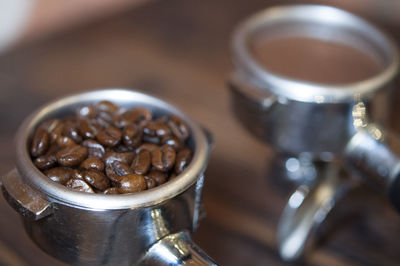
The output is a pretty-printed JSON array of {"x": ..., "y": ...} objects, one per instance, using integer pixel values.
[{"x": 107, "y": 149}]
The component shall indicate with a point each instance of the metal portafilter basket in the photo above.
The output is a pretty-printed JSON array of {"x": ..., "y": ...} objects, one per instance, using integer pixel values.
[
  {"x": 327, "y": 123},
  {"x": 151, "y": 227}
]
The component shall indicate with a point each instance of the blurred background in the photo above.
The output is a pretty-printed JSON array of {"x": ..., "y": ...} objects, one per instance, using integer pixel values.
[{"x": 178, "y": 50}]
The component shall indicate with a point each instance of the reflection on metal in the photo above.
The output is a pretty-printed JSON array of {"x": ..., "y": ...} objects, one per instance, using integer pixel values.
[
  {"x": 307, "y": 210},
  {"x": 175, "y": 249}
]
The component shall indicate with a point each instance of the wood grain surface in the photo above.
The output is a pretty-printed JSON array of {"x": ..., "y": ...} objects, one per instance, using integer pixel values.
[{"x": 179, "y": 51}]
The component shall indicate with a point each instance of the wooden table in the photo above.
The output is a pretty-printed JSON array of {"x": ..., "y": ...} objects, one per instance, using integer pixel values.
[{"x": 179, "y": 50}]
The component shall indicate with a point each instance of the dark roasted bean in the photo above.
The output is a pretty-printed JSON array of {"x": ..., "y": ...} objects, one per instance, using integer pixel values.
[
  {"x": 132, "y": 135},
  {"x": 96, "y": 179},
  {"x": 59, "y": 174},
  {"x": 87, "y": 130},
  {"x": 45, "y": 161},
  {"x": 70, "y": 130},
  {"x": 40, "y": 142},
  {"x": 150, "y": 182},
  {"x": 86, "y": 111},
  {"x": 148, "y": 146},
  {"x": 173, "y": 141},
  {"x": 132, "y": 183},
  {"x": 132, "y": 116},
  {"x": 48, "y": 125},
  {"x": 92, "y": 163},
  {"x": 111, "y": 190},
  {"x": 158, "y": 177},
  {"x": 120, "y": 168},
  {"x": 125, "y": 157},
  {"x": 107, "y": 107},
  {"x": 178, "y": 127},
  {"x": 123, "y": 148},
  {"x": 71, "y": 156},
  {"x": 111, "y": 174},
  {"x": 159, "y": 128},
  {"x": 63, "y": 141},
  {"x": 77, "y": 174},
  {"x": 182, "y": 160},
  {"x": 79, "y": 185},
  {"x": 56, "y": 130},
  {"x": 141, "y": 163},
  {"x": 94, "y": 148},
  {"x": 163, "y": 158},
  {"x": 110, "y": 136}
]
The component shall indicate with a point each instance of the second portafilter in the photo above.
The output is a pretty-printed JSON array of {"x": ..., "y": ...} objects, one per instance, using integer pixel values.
[{"x": 302, "y": 119}]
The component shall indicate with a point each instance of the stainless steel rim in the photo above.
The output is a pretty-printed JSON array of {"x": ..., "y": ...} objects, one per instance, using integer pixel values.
[
  {"x": 307, "y": 91},
  {"x": 58, "y": 193}
]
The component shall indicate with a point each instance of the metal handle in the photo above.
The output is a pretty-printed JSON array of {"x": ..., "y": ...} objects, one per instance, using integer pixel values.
[
  {"x": 374, "y": 154},
  {"x": 175, "y": 249},
  {"x": 309, "y": 215},
  {"x": 23, "y": 198}
]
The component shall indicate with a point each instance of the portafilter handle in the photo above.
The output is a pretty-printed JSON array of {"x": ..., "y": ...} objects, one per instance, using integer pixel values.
[
  {"x": 175, "y": 249},
  {"x": 374, "y": 154}
]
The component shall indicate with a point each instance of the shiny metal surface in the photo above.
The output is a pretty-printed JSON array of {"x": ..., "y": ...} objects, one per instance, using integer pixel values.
[
  {"x": 312, "y": 208},
  {"x": 374, "y": 154},
  {"x": 296, "y": 116},
  {"x": 95, "y": 229},
  {"x": 175, "y": 249}
]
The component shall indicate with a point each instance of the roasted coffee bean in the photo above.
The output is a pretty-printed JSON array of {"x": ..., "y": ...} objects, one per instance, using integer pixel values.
[
  {"x": 150, "y": 183},
  {"x": 141, "y": 163},
  {"x": 63, "y": 141},
  {"x": 96, "y": 178},
  {"x": 111, "y": 190},
  {"x": 92, "y": 163},
  {"x": 132, "y": 183},
  {"x": 178, "y": 127},
  {"x": 123, "y": 148},
  {"x": 48, "y": 125},
  {"x": 94, "y": 148},
  {"x": 112, "y": 175},
  {"x": 120, "y": 168},
  {"x": 182, "y": 160},
  {"x": 86, "y": 111},
  {"x": 86, "y": 129},
  {"x": 79, "y": 185},
  {"x": 132, "y": 116},
  {"x": 125, "y": 157},
  {"x": 110, "y": 136},
  {"x": 70, "y": 130},
  {"x": 56, "y": 130},
  {"x": 77, "y": 174},
  {"x": 163, "y": 158},
  {"x": 161, "y": 128},
  {"x": 59, "y": 174},
  {"x": 148, "y": 146},
  {"x": 107, "y": 107},
  {"x": 174, "y": 142},
  {"x": 40, "y": 142},
  {"x": 45, "y": 161},
  {"x": 132, "y": 135},
  {"x": 158, "y": 176},
  {"x": 71, "y": 156}
]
